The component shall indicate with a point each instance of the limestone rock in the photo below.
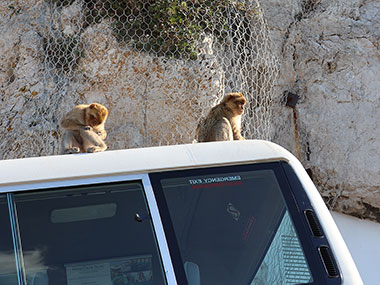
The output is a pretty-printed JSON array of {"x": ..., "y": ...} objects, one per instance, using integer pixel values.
[
  {"x": 329, "y": 52},
  {"x": 331, "y": 60},
  {"x": 152, "y": 101}
]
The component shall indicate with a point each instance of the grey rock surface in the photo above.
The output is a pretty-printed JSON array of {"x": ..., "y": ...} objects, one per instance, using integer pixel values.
[
  {"x": 331, "y": 60},
  {"x": 329, "y": 57}
]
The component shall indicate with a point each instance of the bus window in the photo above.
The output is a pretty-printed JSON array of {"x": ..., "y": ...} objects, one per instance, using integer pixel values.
[
  {"x": 88, "y": 235},
  {"x": 8, "y": 272},
  {"x": 232, "y": 225},
  {"x": 284, "y": 261}
]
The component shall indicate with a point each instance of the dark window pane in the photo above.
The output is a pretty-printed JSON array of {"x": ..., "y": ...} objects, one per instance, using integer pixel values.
[
  {"x": 8, "y": 273},
  {"x": 88, "y": 235},
  {"x": 234, "y": 228}
]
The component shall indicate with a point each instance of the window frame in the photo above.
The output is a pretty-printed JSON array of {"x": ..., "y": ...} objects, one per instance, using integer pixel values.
[
  {"x": 296, "y": 199},
  {"x": 294, "y": 195},
  {"x": 92, "y": 181}
]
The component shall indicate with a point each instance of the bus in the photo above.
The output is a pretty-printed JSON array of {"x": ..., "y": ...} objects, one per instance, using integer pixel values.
[{"x": 236, "y": 212}]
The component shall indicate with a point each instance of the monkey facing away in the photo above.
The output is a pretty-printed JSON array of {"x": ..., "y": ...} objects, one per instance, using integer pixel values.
[
  {"x": 223, "y": 122},
  {"x": 84, "y": 129}
]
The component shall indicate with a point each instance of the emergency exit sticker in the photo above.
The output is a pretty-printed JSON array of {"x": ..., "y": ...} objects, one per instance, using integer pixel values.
[{"x": 215, "y": 181}]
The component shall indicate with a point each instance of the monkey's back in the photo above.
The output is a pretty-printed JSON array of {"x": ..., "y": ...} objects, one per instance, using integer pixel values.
[
  {"x": 74, "y": 117},
  {"x": 215, "y": 127}
]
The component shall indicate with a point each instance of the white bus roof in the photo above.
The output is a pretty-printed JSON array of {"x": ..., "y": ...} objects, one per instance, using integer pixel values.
[{"x": 139, "y": 160}]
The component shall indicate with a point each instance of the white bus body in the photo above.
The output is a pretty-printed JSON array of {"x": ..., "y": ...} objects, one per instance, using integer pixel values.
[{"x": 63, "y": 218}]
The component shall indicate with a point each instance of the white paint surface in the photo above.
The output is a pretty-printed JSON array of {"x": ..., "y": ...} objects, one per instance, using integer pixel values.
[
  {"x": 64, "y": 170},
  {"x": 362, "y": 238}
]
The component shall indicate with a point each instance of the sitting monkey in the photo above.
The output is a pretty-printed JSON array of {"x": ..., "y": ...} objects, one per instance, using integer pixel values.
[
  {"x": 84, "y": 129},
  {"x": 223, "y": 122}
]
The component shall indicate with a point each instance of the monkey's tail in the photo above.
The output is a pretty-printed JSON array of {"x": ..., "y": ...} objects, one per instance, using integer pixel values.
[{"x": 200, "y": 123}]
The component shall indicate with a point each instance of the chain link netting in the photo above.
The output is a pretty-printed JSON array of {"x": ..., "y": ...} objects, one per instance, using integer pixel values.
[
  {"x": 284, "y": 262},
  {"x": 158, "y": 65}
]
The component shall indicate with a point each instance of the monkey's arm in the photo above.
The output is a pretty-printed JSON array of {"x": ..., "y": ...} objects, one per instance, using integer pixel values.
[
  {"x": 74, "y": 120},
  {"x": 72, "y": 124},
  {"x": 235, "y": 126},
  {"x": 237, "y": 135},
  {"x": 102, "y": 134},
  {"x": 100, "y": 131},
  {"x": 92, "y": 141}
]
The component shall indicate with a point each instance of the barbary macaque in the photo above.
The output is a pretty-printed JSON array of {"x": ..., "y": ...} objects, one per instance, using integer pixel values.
[
  {"x": 84, "y": 129},
  {"x": 223, "y": 122}
]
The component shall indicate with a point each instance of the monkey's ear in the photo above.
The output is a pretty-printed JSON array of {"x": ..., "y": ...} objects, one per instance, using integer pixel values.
[
  {"x": 226, "y": 98},
  {"x": 92, "y": 106},
  {"x": 229, "y": 96}
]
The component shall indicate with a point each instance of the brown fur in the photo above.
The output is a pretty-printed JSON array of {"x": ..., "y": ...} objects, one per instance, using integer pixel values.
[
  {"x": 84, "y": 129},
  {"x": 223, "y": 122}
]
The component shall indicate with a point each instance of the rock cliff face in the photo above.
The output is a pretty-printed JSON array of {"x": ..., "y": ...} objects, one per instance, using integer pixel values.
[
  {"x": 329, "y": 58},
  {"x": 57, "y": 54},
  {"x": 45, "y": 72}
]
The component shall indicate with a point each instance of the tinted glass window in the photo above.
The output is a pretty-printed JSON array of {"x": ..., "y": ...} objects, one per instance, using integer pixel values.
[
  {"x": 234, "y": 228},
  {"x": 88, "y": 235},
  {"x": 8, "y": 273}
]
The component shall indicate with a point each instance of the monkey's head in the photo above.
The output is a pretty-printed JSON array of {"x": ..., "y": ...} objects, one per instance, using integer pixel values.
[
  {"x": 235, "y": 102},
  {"x": 96, "y": 114}
]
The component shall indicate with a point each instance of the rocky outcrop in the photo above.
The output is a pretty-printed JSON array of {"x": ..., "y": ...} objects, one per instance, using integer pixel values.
[
  {"x": 331, "y": 61},
  {"x": 51, "y": 65}
]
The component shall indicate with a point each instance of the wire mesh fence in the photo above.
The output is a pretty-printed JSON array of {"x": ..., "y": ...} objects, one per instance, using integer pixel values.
[{"x": 158, "y": 65}]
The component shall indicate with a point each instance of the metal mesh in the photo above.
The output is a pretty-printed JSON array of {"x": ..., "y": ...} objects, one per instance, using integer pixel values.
[
  {"x": 157, "y": 65},
  {"x": 284, "y": 262}
]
